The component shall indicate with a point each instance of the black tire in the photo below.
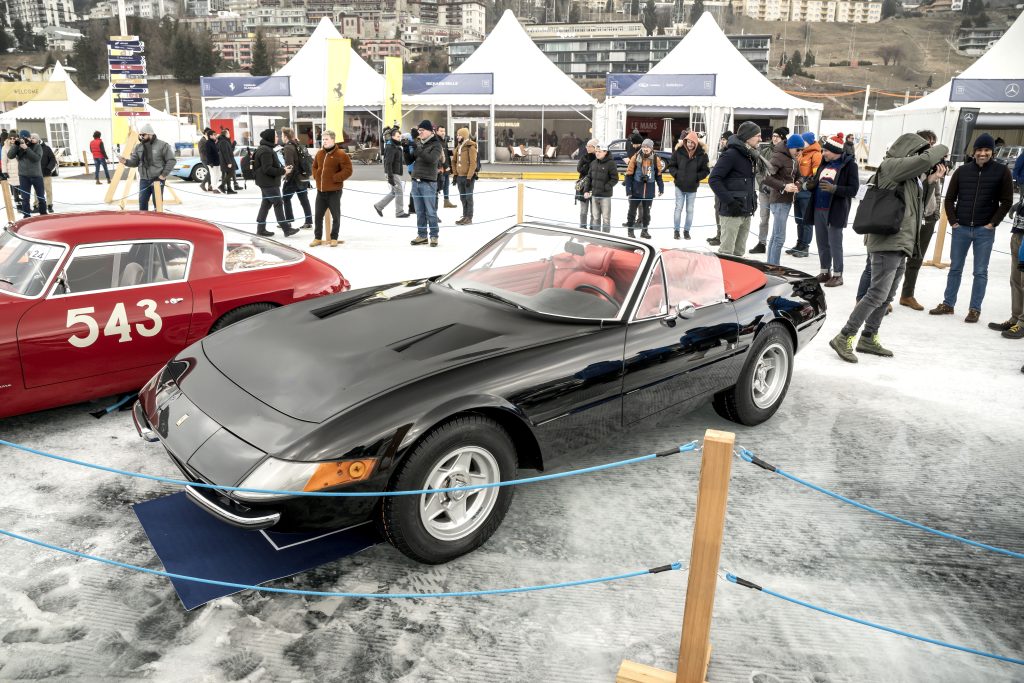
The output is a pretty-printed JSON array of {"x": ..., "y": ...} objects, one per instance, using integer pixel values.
[
  {"x": 737, "y": 403},
  {"x": 239, "y": 314},
  {"x": 400, "y": 515},
  {"x": 199, "y": 173}
]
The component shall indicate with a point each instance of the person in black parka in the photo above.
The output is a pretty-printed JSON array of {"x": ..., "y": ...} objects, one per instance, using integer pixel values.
[
  {"x": 583, "y": 171},
  {"x": 267, "y": 173},
  {"x": 689, "y": 166}
]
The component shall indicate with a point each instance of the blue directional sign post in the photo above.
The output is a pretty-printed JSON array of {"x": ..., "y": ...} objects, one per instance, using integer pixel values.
[
  {"x": 660, "y": 85},
  {"x": 126, "y": 64},
  {"x": 987, "y": 90}
]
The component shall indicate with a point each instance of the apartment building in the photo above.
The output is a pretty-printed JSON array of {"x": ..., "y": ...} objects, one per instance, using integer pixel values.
[
  {"x": 41, "y": 12},
  {"x": 977, "y": 40},
  {"x": 278, "y": 21},
  {"x": 146, "y": 9},
  {"x": 844, "y": 11},
  {"x": 470, "y": 16}
]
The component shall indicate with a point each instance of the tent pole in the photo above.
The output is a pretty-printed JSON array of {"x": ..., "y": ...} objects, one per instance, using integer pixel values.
[
  {"x": 448, "y": 120},
  {"x": 864, "y": 113},
  {"x": 493, "y": 136},
  {"x": 543, "y": 140}
]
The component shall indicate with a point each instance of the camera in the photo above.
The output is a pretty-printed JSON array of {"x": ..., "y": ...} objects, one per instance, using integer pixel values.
[{"x": 945, "y": 162}]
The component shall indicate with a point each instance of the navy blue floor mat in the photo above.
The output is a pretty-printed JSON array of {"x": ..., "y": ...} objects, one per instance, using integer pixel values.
[{"x": 191, "y": 542}]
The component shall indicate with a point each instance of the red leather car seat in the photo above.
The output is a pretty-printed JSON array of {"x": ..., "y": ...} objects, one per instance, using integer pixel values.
[
  {"x": 593, "y": 270},
  {"x": 741, "y": 279}
]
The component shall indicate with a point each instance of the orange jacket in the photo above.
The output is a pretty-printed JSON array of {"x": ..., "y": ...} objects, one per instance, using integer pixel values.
[
  {"x": 809, "y": 160},
  {"x": 330, "y": 171}
]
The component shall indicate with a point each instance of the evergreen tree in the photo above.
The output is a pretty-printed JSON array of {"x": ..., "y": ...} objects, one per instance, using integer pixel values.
[
  {"x": 809, "y": 59},
  {"x": 261, "y": 65},
  {"x": 89, "y": 57},
  {"x": 634, "y": 9},
  {"x": 609, "y": 7},
  {"x": 891, "y": 8},
  {"x": 208, "y": 60},
  {"x": 797, "y": 61},
  {"x": 184, "y": 66},
  {"x": 649, "y": 20},
  {"x": 696, "y": 11},
  {"x": 5, "y": 39},
  {"x": 929, "y": 83}
]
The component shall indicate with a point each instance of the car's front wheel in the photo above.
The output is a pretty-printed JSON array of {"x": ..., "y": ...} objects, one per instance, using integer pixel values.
[
  {"x": 199, "y": 173},
  {"x": 438, "y": 527},
  {"x": 763, "y": 382}
]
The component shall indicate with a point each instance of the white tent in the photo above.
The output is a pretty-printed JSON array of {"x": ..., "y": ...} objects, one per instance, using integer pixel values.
[
  {"x": 525, "y": 80},
  {"x": 934, "y": 111},
  {"x": 741, "y": 91}
]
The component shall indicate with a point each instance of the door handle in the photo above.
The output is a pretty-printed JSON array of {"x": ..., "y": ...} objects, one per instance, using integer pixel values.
[{"x": 175, "y": 300}]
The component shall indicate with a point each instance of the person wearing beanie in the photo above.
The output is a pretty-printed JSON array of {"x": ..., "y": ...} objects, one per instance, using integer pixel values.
[
  {"x": 583, "y": 182},
  {"x": 602, "y": 179},
  {"x": 426, "y": 158},
  {"x": 808, "y": 162},
  {"x": 782, "y": 188},
  {"x": 689, "y": 166},
  {"x": 723, "y": 142},
  {"x": 29, "y": 153},
  {"x": 643, "y": 172},
  {"x": 267, "y": 174},
  {"x": 732, "y": 181},
  {"x": 979, "y": 196},
  {"x": 636, "y": 141},
  {"x": 832, "y": 189},
  {"x": 900, "y": 170},
  {"x": 155, "y": 160},
  {"x": 465, "y": 165},
  {"x": 331, "y": 168}
]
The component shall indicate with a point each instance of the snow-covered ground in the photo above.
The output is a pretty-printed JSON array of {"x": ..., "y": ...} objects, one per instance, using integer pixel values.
[{"x": 931, "y": 435}]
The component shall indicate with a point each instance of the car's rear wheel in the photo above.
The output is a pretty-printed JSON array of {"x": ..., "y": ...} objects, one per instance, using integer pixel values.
[
  {"x": 199, "y": 173},
  {"x": 763, "y": 382},
  {"x": 438, "y": 527},
  {"x": 239, "y": 314}
]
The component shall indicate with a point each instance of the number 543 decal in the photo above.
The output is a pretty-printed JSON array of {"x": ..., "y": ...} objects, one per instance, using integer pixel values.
[{"x": 117, "y": 324}]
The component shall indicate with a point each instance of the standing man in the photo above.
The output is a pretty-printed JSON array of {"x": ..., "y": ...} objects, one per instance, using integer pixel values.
[
  {"x": 226, "y": 156},
  {"x": 267, "y": 173},
  {"x": 393, "y": 163},
  {"x": 849, "y": 147},
  {"x": 604, "y": 176},
  {"x": 426, "y": 158},
  {"x": 214, "y": 178},
  {"x": 444, "y": 177},
  {"x": 904, "y": 162},
  {"x": 782, "y": 189},
  {"x": 49, "y": 167},
  {"x": 643, "y": 172},
  {"x": 732, "y": 181},
  {"x": 833, "y": 189},
  {"x": 296, "y": 181},
  {"x": 931, "y": 210},
  {"x": 582, "y": 173},
  {"x": 1014, "y": 327},
  {"x": 155, "y": 161},
  {"x": 807, "y": 163},
  {"x": 688, "y": 167},
  {"x": 780, "y": 134},
  {"x": 717, "y": 239},
  {"x": 331, "y": 168},
  {"x": 465, "y": 166},
  {"x": 979, "y": 196},
  {"x": 1018, "y": 175},
  {"x": 636, "y": 140},
  {"x": 30, "y": 173},
  {"x": 99, "y": 156}
]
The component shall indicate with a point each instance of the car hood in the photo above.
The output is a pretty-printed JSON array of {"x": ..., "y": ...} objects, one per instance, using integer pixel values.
[{"x": 315, "y": 359}]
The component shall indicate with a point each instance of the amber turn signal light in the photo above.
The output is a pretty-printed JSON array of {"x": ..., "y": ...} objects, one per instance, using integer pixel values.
[{"x": 330, "y": 474}]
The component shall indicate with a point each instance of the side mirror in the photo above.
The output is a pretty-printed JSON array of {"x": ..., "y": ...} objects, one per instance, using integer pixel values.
[{"x": 686, "y": 310}]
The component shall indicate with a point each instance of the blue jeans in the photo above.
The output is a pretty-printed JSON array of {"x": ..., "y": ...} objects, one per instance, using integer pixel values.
[
  {"x": 424, "y": 198},
  {"x": 101, "y": 162},
  {"x": 804, "y": 231},
  {"x": 444, "y": 180},
  {"x": 146, "y": 192},
  {"x": 780, "y": 214},
  {"x": 26, "y": 184},
  {"x": 684, "y": 199},
  {"x": 964, "y": 237}
]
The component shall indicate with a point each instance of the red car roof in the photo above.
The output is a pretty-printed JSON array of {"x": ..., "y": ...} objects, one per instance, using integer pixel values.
[{"x": 106, "y": 226}]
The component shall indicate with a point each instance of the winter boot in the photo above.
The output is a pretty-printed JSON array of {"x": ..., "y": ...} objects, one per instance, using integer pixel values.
[
  {"x": 911, "y": 302},
  {"x": 835, "y": 281},
  {"x": 973, "y": 315},
  {"x": 675, "y": 235},
  {"x": 871, "y": 345},
  {"x": 449, "y": 205},
  {"x": 843, "y": 346},
  {"x": 418, "y": 241},
  {"x": 686, "y": 234},
  {"x": 644, "y": 234},
  {"x": 714, "y": 241},
  {"x": 1002, "y": 327},
  {"x": 631, "y": 233},
  {"x": 433, "y": 241},
  {"x": 316, "y": 243},
  {"x": 759, "y": 248},
  {"x": 941, "y": 309},
  {"x": 1015, "y": 332},
  {"x": 264, "y": 233}
]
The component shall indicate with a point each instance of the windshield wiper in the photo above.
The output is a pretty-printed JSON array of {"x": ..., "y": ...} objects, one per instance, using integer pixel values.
[{"x": 491, "y": 295}]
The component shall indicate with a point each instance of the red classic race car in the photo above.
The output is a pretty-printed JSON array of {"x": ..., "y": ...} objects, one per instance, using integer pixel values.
[{"x": 93, "y": 304}]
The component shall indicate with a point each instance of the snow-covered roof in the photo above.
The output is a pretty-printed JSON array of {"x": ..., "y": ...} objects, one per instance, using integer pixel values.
[
  {"x": 308, "y": 82},
  {"x": 523, "y": 74},
  {"x": 76, "y": 101},
  {"x": 1005, "y": 59},
  {"x": 738, "y": 84}
]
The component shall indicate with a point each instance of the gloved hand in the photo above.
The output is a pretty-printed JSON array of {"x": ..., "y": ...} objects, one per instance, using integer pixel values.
[
  {"x": 827, "y": 187},
  {"x": 735, "y": 207},
  {"x": 809, "y": 185}
]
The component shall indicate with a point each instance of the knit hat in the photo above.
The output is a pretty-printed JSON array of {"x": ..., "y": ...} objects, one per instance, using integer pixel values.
[
  {"x": 984, "y": 141},
  {"x": 782, "y": 132},
  {"x": 834, "y": 143},
  {"x": 809, "y": 137},
  {"x": 25, "y": 134},
  {"x": 747, "y": 130},
  {"x": 636, "y": 139},
  {"x": 268, "y": 135},
  {"x": 795, "y": 141},
  {"x": 727, "y": 134},
  {"x": 648, "y": 144},
  {"x": 147, "y": 129},
  {"x": 425, "y": 124}
]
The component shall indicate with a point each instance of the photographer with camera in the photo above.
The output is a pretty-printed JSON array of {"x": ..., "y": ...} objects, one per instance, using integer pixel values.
[{"x": 30, "y": 172}]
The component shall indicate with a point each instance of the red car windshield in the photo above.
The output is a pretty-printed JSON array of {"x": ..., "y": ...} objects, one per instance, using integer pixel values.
[{"x": 25, "y": 266}]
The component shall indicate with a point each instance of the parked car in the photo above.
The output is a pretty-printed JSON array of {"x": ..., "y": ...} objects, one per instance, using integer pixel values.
[
  {"x": 93, "y": 304},
  {"x": 1008, "y": 154},
  {"x": 544, "y": 341},
  {"x": 621, "y": 149},
  {"x": 194, "y": 170}
]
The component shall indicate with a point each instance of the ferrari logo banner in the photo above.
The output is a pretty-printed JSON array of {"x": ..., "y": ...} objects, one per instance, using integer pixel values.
[
  {"x": 24, "y": 91},
  {"x": 339, "y": 51},
  {"x": 392, "y": 91}
]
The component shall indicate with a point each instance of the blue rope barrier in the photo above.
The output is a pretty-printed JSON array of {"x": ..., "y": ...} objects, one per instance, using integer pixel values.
[
  {"x": 674, "y": 566},
  {"x": 732, "y": 578},
  {"x": 684, "y": 448},
  {"x": 748, "y": 456},
  {"x": 312, "y": 189}
]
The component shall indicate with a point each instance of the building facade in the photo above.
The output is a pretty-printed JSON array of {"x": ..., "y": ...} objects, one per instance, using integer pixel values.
[
  {"x": 977, "y": 41},
  {"x": 841, "y": 11},
  {"x": 41, "y": 13}
]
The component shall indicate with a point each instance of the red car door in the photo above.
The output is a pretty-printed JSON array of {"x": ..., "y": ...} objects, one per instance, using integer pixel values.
[{"x": 115, "y": 307}]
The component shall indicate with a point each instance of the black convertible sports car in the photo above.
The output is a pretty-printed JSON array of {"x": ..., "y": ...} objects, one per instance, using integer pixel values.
[{"x": 543, "y": 341}]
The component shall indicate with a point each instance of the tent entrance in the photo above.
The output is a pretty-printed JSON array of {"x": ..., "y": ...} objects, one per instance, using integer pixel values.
[{"x": 478, "y": 130}]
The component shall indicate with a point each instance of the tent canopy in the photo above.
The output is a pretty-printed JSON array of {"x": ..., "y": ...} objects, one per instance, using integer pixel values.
[
  {"x": 738, "y": 84},
  {"x": 523, "y": 75},
  {"x": 77, "y": 103},
  {"x": 308, "y": 85}
]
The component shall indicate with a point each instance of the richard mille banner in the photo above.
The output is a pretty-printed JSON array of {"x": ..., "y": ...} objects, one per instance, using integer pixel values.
[
  {"x": 245, "y": 86},
  {"x": 987, "y": 90},
  {"x": 448, "y": 84},
  {"x": 339, "y": 51},
  {"x": 660, "y": 85}
]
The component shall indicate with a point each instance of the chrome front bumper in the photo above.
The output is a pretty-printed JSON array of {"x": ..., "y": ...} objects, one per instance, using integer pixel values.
[
  {"x": 207, "y": 500},
  {"x": 142, "y": 424}
]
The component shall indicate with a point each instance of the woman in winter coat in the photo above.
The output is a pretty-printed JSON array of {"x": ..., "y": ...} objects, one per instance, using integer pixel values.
[
  {"x": 781, "y": 183},
  {"x": 689, "y": 166},
  {"x": 643, "y": 173},
  {"x": 583, "y": 171},
  {"x": 604, "y": 176},
  {"x": 464, "y": 165},
  {"x": 833, "y": 188}
]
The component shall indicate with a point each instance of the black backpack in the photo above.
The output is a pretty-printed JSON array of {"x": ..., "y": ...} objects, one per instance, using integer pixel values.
[
  {"x": 305, "y": 161},
  {"x": 881, "y": 211},
  {"x": 245, "y": 161}
]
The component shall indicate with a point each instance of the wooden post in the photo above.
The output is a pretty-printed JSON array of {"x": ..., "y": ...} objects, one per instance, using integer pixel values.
[
  {"x": 940, "y": 241},
  {"x": 126, "y": 151},
  {"x": 128, "y": 182},
  {"x": 705, "y": 553},
  {"x": 158, "y": 197},
  {"x": 8, "y": 201},
  {"x": 519, "y": 203},
  {"x": 327, "y": 226}
]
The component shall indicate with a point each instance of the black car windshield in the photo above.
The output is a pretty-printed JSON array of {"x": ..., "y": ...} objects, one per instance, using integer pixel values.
[
  {"x": 25, "y": 266},
  {"x": 554, "y": 273}
]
